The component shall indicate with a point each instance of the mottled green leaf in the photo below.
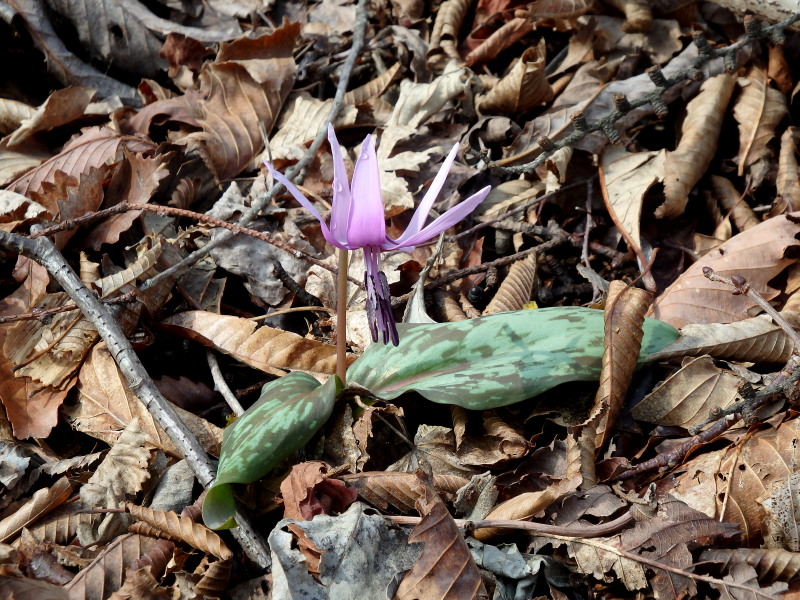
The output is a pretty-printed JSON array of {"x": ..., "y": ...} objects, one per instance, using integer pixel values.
[
  {"x": 288, "y": 413},
  {"x": 496, "y": 360}
]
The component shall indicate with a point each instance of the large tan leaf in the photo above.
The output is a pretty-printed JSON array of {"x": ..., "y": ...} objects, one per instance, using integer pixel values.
[
  {"x": 523, "y": 88},
  {"x": 61, "y": 108},
  {"x": 517, "y": 287},
  {"x": 758, "y": 110},
  {"x": 757, "y": 340},
  {"x": 170, "y": 525},
  {"x": 106, "y": 405},
  {"x": 117, "y": 480},
  {"x": 688, "y": 395},
  {"x": 41, "y": 503},
  {"x": 758, "y": 255},
  {"x": 95, "y": 147},
  {"x": 398, "y": 491},
  {"x": 263, "y": 348},
  {"x": 446, "y": 569},
  {"x": 699, "y": 135}
]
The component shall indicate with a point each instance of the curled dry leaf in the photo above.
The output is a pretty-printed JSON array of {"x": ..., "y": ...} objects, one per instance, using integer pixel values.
[
  {"x": 733, "y": 203},
  {"x": 12, "y": 114},
  {"x": 758, "y": 110},
  {"x": 264, "y": 348},
  {"x": 522, "y": 89},
  {"x": 140, "y": 583},
  {"x": 517, "y": 287},
  {"x": 446, "y": 568},
  {"x": 770, "y": 565},
  {"x": 505, "y": 37},
  {"x": 558, "y": 9},
  {"x": 498, "y": 444},
  {"x": 700, "y": 133},
  {"x": 182, "y": 529},
  {"x": 61, "y": 107},
  {"x": 40, "y": 503},
  {"x": 373, "y": 88},
  {"x": 398, "y": 491},
  {"x": 420, "y": 101},
  {"x": 624, "y": 316},
  {"x": 757, "y": 340},
  {"x": 638, "y": 14},
  {"x": 787, "y": 182},
  {"x": 686, "y": 398},
  {"x": 445, "y": 307},
  {"x": 215, "y": 579},
  {"x": 444, "y": 37},
  {"x": 758, "y": 255}
]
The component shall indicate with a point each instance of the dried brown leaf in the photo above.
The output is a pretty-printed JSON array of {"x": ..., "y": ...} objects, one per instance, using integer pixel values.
[
  {"x": 397, "y": 491},
  {"x": 58, "y": 527},
  {"x": 523, "y": 88},
  {"x": 787, "y": 182},
  {"x": 770, "y": 565},
  {"x": 182, "y": 529},
  {"x": 18, "y": 587},
  {"x": 446, "y": 569},
  {"x": 505, "y": 37},
  {"x": 758, "y": 110},
  {"x": 558, "y": 9},
  {"x": 263, "y": 348},
  {"x": 756, "y": 340},
  {"x": 214, "y": 582},
  {"x": 61, "y": 108},
  {"x": 638, "y": 14},
  {"x": 106, "y": 573},
  {"x": 782, "y": 523},
  {"x": 742, "y": 583},
  {"x": 444, "y": 37},
  {"x": 732, "y": 202},
  {"x": 140, "y": 585},
  {"x": 40, "y": 503},
  {"x": 106, "y": 405},
  {"x": 758, "y": 255},
  {"x": 373, "y": 88},
  {"x": 445, "y": 308},
  {"x": 516, "y": 289},
  {"x": 12, "y": 114},
  {"x": 688, "y": 395},
  {"x": 699, "y": 136}
]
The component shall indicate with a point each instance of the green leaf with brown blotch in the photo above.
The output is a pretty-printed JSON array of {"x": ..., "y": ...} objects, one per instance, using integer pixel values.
[
  {"x": 288, "y": 413},
  {"x": 496, "y": 360}
]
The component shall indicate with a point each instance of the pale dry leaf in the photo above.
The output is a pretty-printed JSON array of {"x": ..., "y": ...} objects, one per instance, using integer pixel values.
[
  {"x": 558, "y": 9},
  {"x": 747, "y": 585},
  {"x": 116, "y": 481},
  {"x": 638, "y": 15},
  {"x": 262, "y": 348},
  {"x": 444, "y": 37},
  {"x": 15, "y": 164},
  {"x": 685, "y": 165},
  {"x": 12, "y": 114},
  {"x": 62, "y": 107},
  {"x": 517, "y": 287},
  {"x": 182, "y": 529},
  {"x": 523, "y": 88},
  {"x": 40, "y": 504},
  {"x": 782, "y": 503},
  {"x": 757, "y": 340},
  {"x": 687, "y": 396},
  {"x": 758, "y": 111},
  {"x": 505, "y": 37},
  {"x": 758, "y": 255},
  {"x": 374, "y": 88},
  {"x": 397, "y": 491},
  {"x": 733, "y": 203},
  {"x": 420, "y": 101},
  {"x": 435, "y": 445},
  {"x": 786, "y": 180}
]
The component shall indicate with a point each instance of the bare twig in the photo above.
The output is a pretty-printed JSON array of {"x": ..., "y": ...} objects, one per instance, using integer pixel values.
[
  {"x": 359, "y": 33},
  {"x": 46, "y": 254},
  {"x": 222, "y": 385},
  {"x": 49, "y": 312}
]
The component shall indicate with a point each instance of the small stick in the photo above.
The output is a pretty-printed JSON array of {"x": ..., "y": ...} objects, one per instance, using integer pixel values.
[{"x": 222, "y": 385}]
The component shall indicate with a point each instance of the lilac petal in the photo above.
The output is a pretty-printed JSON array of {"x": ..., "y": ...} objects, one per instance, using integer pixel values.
[
  {"x": 366, "y": 226},
  {"x": 421, "y": 214},
  {"x": 306, "y": 203},
  {"x": 340, "y": 207},
  {"x": 448, "y": 219}
]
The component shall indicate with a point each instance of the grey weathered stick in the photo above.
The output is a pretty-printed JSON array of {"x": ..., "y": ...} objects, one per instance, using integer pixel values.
[
  {"x": 46, "y": 254},
  {"x": 359, "y": 31}
]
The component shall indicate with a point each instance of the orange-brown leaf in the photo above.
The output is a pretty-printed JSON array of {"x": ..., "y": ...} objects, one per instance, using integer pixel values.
[
  {"x": 517, "y": 287},
  {"x": 182, "y": 529},
  {"x": 39, "y": 504}
]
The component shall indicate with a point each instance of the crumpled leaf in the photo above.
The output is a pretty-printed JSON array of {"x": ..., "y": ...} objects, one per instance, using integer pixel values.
[
  {"x": 446, "y": 568},
  {"x": 523, "y": 88},
  {"x": 61, "y": 108},
  {"x": 288, "y": 413},
  {"x": 770, "y": 565},
  {"x": 398, "y": 491},
  {"x": 496, "y": 360},
  {"x": 786, "y": 181},
  {"x": 39, "y": 504},
  {"x": 758, "y": 255}
]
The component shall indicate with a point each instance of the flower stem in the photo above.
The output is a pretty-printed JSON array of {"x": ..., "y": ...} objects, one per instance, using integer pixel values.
[{"x": 341, "y": 318}]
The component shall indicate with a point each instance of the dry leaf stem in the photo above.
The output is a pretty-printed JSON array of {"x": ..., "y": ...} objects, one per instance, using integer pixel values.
[
  {"x": 295, "y": 172},
  {"x": 141, "y": 384}
]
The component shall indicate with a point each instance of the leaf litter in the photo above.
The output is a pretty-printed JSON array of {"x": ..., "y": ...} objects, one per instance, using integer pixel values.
[{"x": 631, "y": 147}]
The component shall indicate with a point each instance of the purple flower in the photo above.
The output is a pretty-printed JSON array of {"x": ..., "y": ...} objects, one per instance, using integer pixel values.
[{"x": 357, "y": 221}]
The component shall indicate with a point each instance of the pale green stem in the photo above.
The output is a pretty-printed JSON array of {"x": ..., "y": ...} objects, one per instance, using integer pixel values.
[{"x": 341, "y": 318}]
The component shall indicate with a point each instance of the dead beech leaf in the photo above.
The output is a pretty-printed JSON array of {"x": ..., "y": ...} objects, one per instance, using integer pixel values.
[
  {"x": 688, "y": 395},
  {"x": 638, "y": 14},
  {"x": 106, "y": 573},
  {"x": 505, "y": 37},
  {"x": 497, "y": 444},
  {"x": 168, "y": 524},
  {"x": 436, "y": 445},
  {"x": 93, "y": 148},
  {"x": 757, "y": 340},
  {"x": 624, "y": 316},
  {"x": 786, "y": 181},
  {"x": 420, "y": 101},
  {"x": 758, "y": 255},
  {"x": 782, "y": 528},
  {"x": 523, "y": 88},
  {"x": 12, "y": 114},
  {"x": 61, "y": 108},
  {"x": 398, "y": 491},
  {"x": 214, "y": 581},
  {"x": 685, "y": 165},
  {"x": 264, "y": 348},
  {"x": 558, "y": 9},
  {"x": 373, "y": 88},
  {"x": 38, "y": 505},
  {"x": 733, "y": 203},
  {"x": 19, "y": 587},
  {"x": 444, "y": 37},
  {"x": 758, "y": 110},
  {"x": 117, "y": 480},
  {"x": 771, "y": 565},
  {"x": 517, "y": 287},
  {"x": 446, "y": 568},
  {"x": 106, "y": 405},
  {"x": 140, "y": 583}
]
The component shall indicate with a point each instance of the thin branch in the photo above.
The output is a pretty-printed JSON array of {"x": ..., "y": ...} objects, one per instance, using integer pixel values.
[
  {"x": 41, "y": 314},
  {"x": 222, "y": 385},
  {"x": 293, "y": 173}
]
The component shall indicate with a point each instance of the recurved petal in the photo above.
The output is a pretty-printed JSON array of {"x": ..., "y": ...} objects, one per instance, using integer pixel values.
[
  {"x": 448, "y": 219},
  {"x": 340, "y": 206},
  {"x": 366, "y": 226},
  {"x": 306, "y": 203},
  {"x": 421, "y": 214}
]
